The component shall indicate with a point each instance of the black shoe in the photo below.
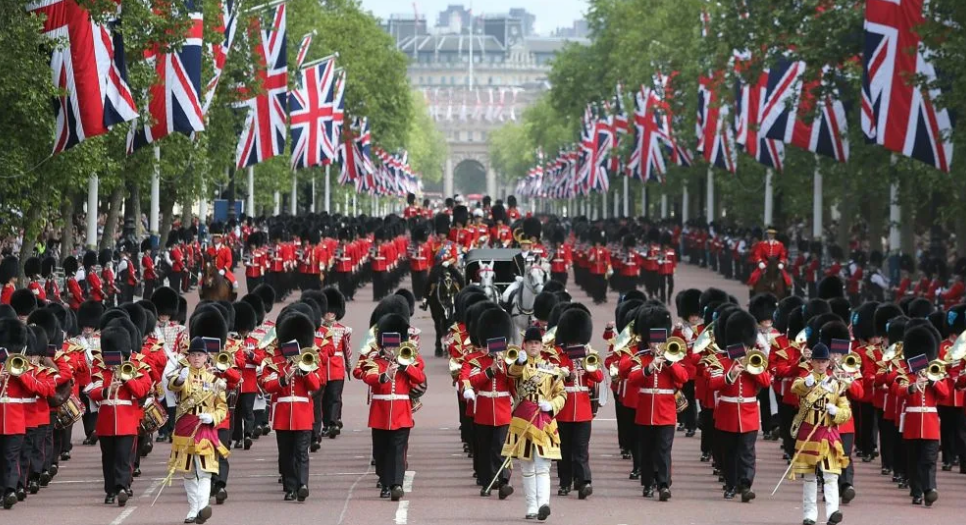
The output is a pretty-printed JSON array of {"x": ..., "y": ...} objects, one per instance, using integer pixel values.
[
  {"x": 290, "y": 496},
  {"x": 54, "y": 469},
  {"x": 689, "y": 434},
  {"x": 835, "y": 518},
  {"x": 931, "y": 496},
  {"x": 505, "y": 491},
  {"x": 266, "y": 430},
  {"x": 148, "y": 447},
  {"x": 334, "y": 432},
  {"x": 315, "y": 446},
  {"x": 680, "y": 428},
  {"x": 45, "y": 478},
  {"x": 530, "y": 517},
  {"x": 635, "y": 474},
  {"x": 586, "y": 491},
  {"x": 665, "y": 494},
  {"x": 484, "y": 493},
  {"x": 136, "y": 473},
  {"x": 396, "y": 493},
  {"x": 384, "y": 493},
  {"x": 248, "y": 443},
  {"x": 564, "y": 490},
  {"x": 808, "y": 522},
  {"x": 110, "y": 499},
  {"x": 21, "y": 494},
  {"x": 747, "y": 495},
  {"x": 729, "y": 493},
  {"x": 203, "y": 515},
  {"x": 9, "y": 500},
  {"x": 904, "y": 483},
  {"x": 848, "y": 494},
  {"x": 706, "y": 457},
  {"x": 122, "y": 498},
  {"x": 338, "y": 425},
  {"x": 543, "y": 513},
  {"x": 917, "y": 500},
  {"x": 220, "y": 496},
  {"x": 867, "y": 458},
  {"x": 466, "y": 447},
  {"x": 257, "y": 434},
  {"x": 238, "y": 445},
  {"x": 786, "y": 457},
  {"x": 302, "y": 493},
  {"x": 378, "y": 484},
  {"x": 947, "y": 467},
  {"x": 648, "y": 492},
  {"x": 65, "y": 456},
  {"x": 33, "y": 486},
  {"x": 886, "y": 471}
]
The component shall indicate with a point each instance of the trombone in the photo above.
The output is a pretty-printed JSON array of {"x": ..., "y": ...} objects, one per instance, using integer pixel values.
[
  {"x": 755, "y": 362},
  {"x": 675, "y": 349},
  {"x": 17, "y": 365}
]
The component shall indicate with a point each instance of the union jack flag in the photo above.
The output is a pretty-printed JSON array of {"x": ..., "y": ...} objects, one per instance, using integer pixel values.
[
  {"x": 354, "y": 157},
  {"x": 715, "y": 136},
  {"x": 175, "y": 103},
  {"x": 334, "y": 117},
  {"x": 89, "y": 70},
  {"x": 750, "y": 100},
  {"x": 647, "y": 160},
  {"x": 304, "y": 49},
  {"x": 309, "y": 106},
  {"x": 263, "y": 135},
  {"x": 665, "y": 117},
  {"x": 228, "y": 26},
  {"x": 896, "y": 113},
  {"x": 596, "y": 143},
  {"x": 788, "y": 105}
]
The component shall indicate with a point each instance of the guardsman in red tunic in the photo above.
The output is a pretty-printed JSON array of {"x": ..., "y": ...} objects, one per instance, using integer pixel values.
[
  {"x": 148, "y": 274},
  {"x": 490, "y": 389},
  {"x": 127, "y": 272},
  {"x": 767, "y": 249},
  {"x": 687, "y": 305},
  {"x": 737, "y": 416},
  {"x": 9, "y": 270},
  {"x": 957, "y": 290},
  {"x": 51, "y": 288},
  {"x": 108, "y": 278},
  {"x": 174, "y": 257},
  {"x": 460, "y": 233},
  {"x": 118, "y": 417},
  {"x": 629, "y": 265},
  {"x": 652, "y": 252},
  {"x": 247, "y": 361},
  {"x": 866, "y": 346},
  {"x": 292, "y": 386},
  {"x": 657, "y": 381},
  {"x": 574, "y": 420},
  {"x": 559, "y": 256},
  {"x": 391, "y": 380},
  {"x": 223, "y": 258},
  {"x": 500, "y": 234},
  {"x": 667, "y": 263},
  {"x": 336, "y": 364},
  {"x": 512, "y": 213},
  {"x": 411, "y": 210},
  {"x": 922, "y": 393},
  {"x": 420, "y": 260},
  {"x": 31, "y": 269},
  {"x": 600, "y": 267},
  {"x": 95, "y": 289},
  {"x": 951, "y": 416}
]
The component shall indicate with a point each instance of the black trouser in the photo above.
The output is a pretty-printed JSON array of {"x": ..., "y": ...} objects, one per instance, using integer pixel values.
[
  {"x": 62, "y": 443},
  {"x": 10, "y": 446},
  {"x": 865, "y": 428},
  {"x": 739, "y": 458},
  {"x": 30, "y": 454},
  {"x": 419, "y": 283},
  {"x": 221, "y": 479},
  {"x": 689, "y": 416},
  {"x": 654, "y": 443},
  {"x": 887, "y": 435},
  {"x": 786, "y": 416},
  {"x": 332, "y": 403},
  {"x": 127, "y": 293},
  {"x": 764, "y": 401},
  {"x": 344, "y": 280},
  {"x": 89, "y": 419},
  {"x": 478, "y": 456},
  {"x": 243, "y": 420},
  {"x": 574, "y": 468},
  {"x": 706, "y": 421},
  {"x": 923, "y": 454},
  {"x": 261, "y": 417},
  {"x": 317, "y": 414},
  {"x": 900, "y": 454},
  {"x": 117, "y": 462},
  {"x": 625, "y": 425},
  {"x": 466, "y": 423},
  {"x": 168, "y": 428},
  {"x": 49, "y": 452},
  {"x": 252, "y": 282},
  {"x": 380, "y": 285},
  {"x": 668, "y": 285},
  {"x": 310, "y": 281},
  {"x": 952, "y": 420},
  {"x": 175, "y": 280},
  {"x": 389, "y": 448},
  {"x": 489, "y": 453},
  {"x": 293, "y": 457},
  {"x": 598, "y": 288},
  {"x": 847, "y": 478},
  {"x": 559, "y": 277},
  {"x": 149, "y": 289}
]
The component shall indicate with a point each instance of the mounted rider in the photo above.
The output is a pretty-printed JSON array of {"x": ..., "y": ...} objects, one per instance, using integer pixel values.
[
  {"x": 446, "y": 257},
  {"x": 767, "y": 249},
  {"x": 531, "y": 251}
]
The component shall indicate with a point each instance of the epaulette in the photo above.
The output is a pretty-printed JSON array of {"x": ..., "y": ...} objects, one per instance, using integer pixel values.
[{"x": 781, "y": 353}]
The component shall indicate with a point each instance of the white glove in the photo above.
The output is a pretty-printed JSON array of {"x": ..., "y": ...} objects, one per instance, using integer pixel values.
[
  {"x": 761, "y": 265},
  {"x": 564, "y": 371},
  {"x": 545, "y": 406},
  {"x": 221, "y": 272},
  {"x": 522, "y": 358},
  {"x": 206, "y": 418},
  {"x": 221, "y": 384},
  {"x": 781, "y": 266},
  {"x": 809, "y": 380},
  {"x": 832, "y": 410},
  {"x": 469, "y": 395},
  {"x": 446, "y": 264},
  {"x": 183, "y": 376}
]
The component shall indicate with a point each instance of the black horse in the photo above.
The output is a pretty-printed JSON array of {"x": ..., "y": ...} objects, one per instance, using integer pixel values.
[{"x": 444, "y": 284}]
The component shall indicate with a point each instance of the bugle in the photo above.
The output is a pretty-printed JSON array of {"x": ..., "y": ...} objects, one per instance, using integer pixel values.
[
  {"x": 406, "y": 354},
  {"x": 223, "y": 361},
  {"x": 755, "y": 362},
  {"x": 675, "y": 349},
  {"x": 16, "y": 365}
]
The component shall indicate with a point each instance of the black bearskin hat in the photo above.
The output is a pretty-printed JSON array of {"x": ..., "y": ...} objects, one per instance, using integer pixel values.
[
  {"x": 9, "y": 268},
  {"x": 649, "y": 317},
  {"x": 146, "y": 244},
  {"x": 320, "y": 299},
  {"x": 441, "y": 224},
  {"x": 554, "y": 287},
  {"x": 392, "y": 323},
  {"x": 493, "y": 323},
  {"x": 920, "y": 341},
  {"x": 245, "y": 318},
  {"x": 132, "y": 331},
  {"x": 725, "y": 311},
  {"x": 208, "y": 321},
  {"x": 511, "y": 201},
  {"x": 410, "y": 299},
  {"x": 474, "y": 316},
  {"x": 47, "y": 267},
  {"x": 70, "y": 266},
  {"x": 628, "y": 241},
  {"x": 742, "y": 328},
  {"x": 335, "y": 301},
  {"x": 89, "y": 314},
  {"x": 814, "y": 327},
  {"x": 461, "y": 215},
  {"x": 919, "y": 308},
  {"x": 13, "y": 335},
  {"x": 763, "y": 306},
  {"x": 815, "y": 307},
  {"x": 47, "y": 320},
  {"x": 785, "y": 308},
  {"x": 116, "y": 339},
  {"x": 883, "y": 314},
  {"x": 31, "y": 267},
  {"x": 23, "y": 302},
  {"x": 937, "y": 320},
  {"x": 833, "y": 330},
  {"x": 105, "y": 257},
  {"x": 841, "y": 307},
  {"x": 256, "y": 303},
  {"x": 90, "y": 259},
  {"x": 410, "y": 198},
  {"x": 543, "y": 303},
  {"x": 831, "y": 286},
  {"x": 390, "y": 305},
  {"x": 712, "y": 295},
  {"x": 688, "y": 302},
  {"x": 863, "y": 321},
  {"x": 498, "y": 212},
  {"x": 575, "y": 327},
  {"x": 165, "y": 299},
  {"x": 532, "y": 227},
  {"x": 137, "y": 315},
  {"x": 267, "y": 294}
]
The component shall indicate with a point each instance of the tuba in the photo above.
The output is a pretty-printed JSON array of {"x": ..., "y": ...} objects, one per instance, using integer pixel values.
[
  {"x": 675, "y": 349},
  {"x": 755, "y": 362},
  {"x": 406, "y": 354}
]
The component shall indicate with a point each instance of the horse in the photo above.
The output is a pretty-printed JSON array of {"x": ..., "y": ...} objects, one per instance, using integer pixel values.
[
  {"x": 214, "y": 286},
  {"x": 442, "y": 303},
  {"x": 771, "y": 281},
  {"x": 487, "y": 276},
  {"x": 520, "y": 297}
]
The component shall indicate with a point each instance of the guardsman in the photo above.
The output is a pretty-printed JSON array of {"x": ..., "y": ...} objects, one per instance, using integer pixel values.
[
  {"x": 866, "y": 344},
  {"x": 255, "y": 260},
  {"x": 51, "y": 288},
  {"x": 600, "y": 267},
  {"x": 905, "y": 286},
  {"x": 411, "y": 210},
  {"x": 856, "y": 277},
  {"x": 31, "y": 270},
  {"x": 835, "y": 268},
  {"x": 649, "y": 267},
  {"x": 381, "y": 260},
  {"x": 666, "y": 266},
  {"x": 501, "y": 236},
  {"x": 889, "y": 323},
  {"x": 624, "y": 409},
  {"x": 460, "y": 234},
  {"x": 765, "y": 250},
  {"x": 148, "y": 274},
  {"x": 344, "y": 265},
  {"x": 108, "y": 277},
  {"x": 922, "y": 392},
  {"x": 336, "y": 363},
  {"x": 951, "y": 416},
  {"x": 628, "y": 265},
  {"x": 247, "y": 358},
  {"x": 291, "y": 380},
  {"x": 223, "y": 256},
  {"x": 763, "y": 307},
  {"x": 391, "y": 378},
  {"x": 687, "y": 305},
  {"x": 92, "y": 281},
  {"x": 9, "y": 272},
  {"x": 560, "y": 256},
  {"x": 512, "y": 213},
  {"x": 813, "y": 269},
  {"x": 313, "y": 259},
  {"x": 174, "y": 259},
  {"x": 19, "y": 391},
  {"x": 127, "y": 272},
  {"x": 420, "y": 260},
  {"x": 954, "y": 294}
]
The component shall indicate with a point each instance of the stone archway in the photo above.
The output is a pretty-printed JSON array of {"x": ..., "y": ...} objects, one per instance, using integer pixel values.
[
  {"x": 470, "y": 160},
  {"x": 469, "y": 176}
]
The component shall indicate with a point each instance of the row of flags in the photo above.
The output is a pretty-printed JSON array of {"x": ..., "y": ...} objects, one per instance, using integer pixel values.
[
  {"x": 91, "y": 72},
  {"x": 790, "y": 103},
  {"x": 486, "y": 105}
]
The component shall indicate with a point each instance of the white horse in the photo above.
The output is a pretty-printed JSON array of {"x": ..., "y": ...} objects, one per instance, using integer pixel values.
[
  {"x": 521, "y": 296},
  {"x": 487, "y": 276}
]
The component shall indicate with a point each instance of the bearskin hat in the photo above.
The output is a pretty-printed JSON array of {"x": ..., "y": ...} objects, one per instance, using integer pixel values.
[
  {"x": 147, "y": 245},
  {"x": 763, "y": 307},
  {"x": 31, "y": 267},
  {"x": 883, "y": 314},
  {"x": 649, "y": 318},
  {"x": 574, "y": 327},
  {"x": 441, "y": 224},
  {"x": 863, "y": 321},
  {"x": 105, "y": 256},
  {"x": 182, "y": 316},
  {"x": 9, "y": 268},
  {"x": 474, "y": 316},
  {"x": 841, "y": 307},
  {"x": 335, "y": 301},
  {"x": 628, "y": 241},
  {"x": 498, "y": 212},
  {"x": 137, "y": 315},
  {"x": 905, "y": 302},
  {"x": 116, "y": 339},
  {"x": 833, "y": 330},
  {"x": 796, "y": 322},
  {"x": 410, "y": 198},
  {"x": 712, "y": 295},
  {"x": 815, "y": 307},
  {"x": 461, "y": 215},
  {"x": 895, "y": 328},
  {"x": 47, "y": 267},
  {"x": 165, "y": 299},
  {"x": 89, "y": 314},
  {"x": 319, "y": 298},
  {"x": 390, "y": 305},
  {"x": 65, "y": 317},
  {"x": 956, "y": 320},
  {"x": 532, "y": 227},
  {"x": 90, "y": 259},
  {"x": 47, "y": 320},
  {"x": 463, "y": 302},
  {"x": 111, "y": 314},
  {"x": 919, "y": 308},
  {"x": 938, "y": 321},
  {"x": 245, "y": 318},
  {"x": 267, "y": 294},
  {"x": 71, "y": 266},
  {"x": 392, "y": 323},
  {"x": 493, "y": 323},
  {"x": 150, "y": 322},
  {"x": 830, "y": 287},
  {"x": 724, "y": 311},
  {"x": 542, "y": 304},
  {"x": 256, "y": 303},
  {"x": 14, "y": 335},
  {"x": 23, "y": 302},
  {"x": 554, "y": 287},
  {"x": 511, "y": 201},
  {"x": 36, "y": 342},
  {"x": 814, "y": 327},
  {"x": 621, "y": 313},
  {"x": 785, "y": 307},
  {"x": 133, "y": 331},
  {"x": 307, "y": 308},
  {"x": 6, "y": 312},
  {"x": 687, "y": 303},
  {"x": 742, "y": 328},
  {"x": 209, "y": 322},
  {"x": 406, "y": 294},
  {"x": 920, "y": 340}
]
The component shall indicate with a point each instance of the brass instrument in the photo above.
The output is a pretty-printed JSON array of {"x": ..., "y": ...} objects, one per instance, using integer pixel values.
[
  {"x": 592, "y": 362},
  {"x": 936, "y": 371},
  {"x": 126, "y": 371},
  {"x": 308, "y": 362},
  {"x": 223, "y": 361},
  {"x": 268, "y": 340},
  {"x": 850, "y": 363},
  {"x": 711, "y": 361},
  {"x": 958, "y": 351},
  {"x": 705, "y": 339},
  {"x": 511, "y": 355},
  {"x": 406, "y": 354},
  {"x": 549, "y": 336},
  {"x": 755, "y": 362},
  {"x": 626, "y": 339},
  {"x": 519, "y": 236},
  {"x": 16, "y": 365},
  {"x": 675, "y": 349}
]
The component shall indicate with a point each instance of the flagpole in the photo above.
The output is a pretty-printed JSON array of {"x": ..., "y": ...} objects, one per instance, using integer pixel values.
[
  {"x": 293, "y": 201},
  {"x": 92, "y": 183},
  {"x": 355, "y": 210},
  {"x": 769, "y": 197},
  {"x": 644, "y": 198},
  {"x": 817, "y": 201},
  {"x": 312, "y": 203},
  {"x": 617, "y": 203},
  {"x": 263, "y": 7},
  {"x": 316, "y": 62},
  {"x": 278, "y": 203},
  {"x": 664, "y": 205},
  {"x": 250, "y": 202},
  {"x": 895, "y": 211},
  {"x": 709, "y": 212},
  {"x": 328, "y": 189},
  {"x": 685, "y": 204},
  {"x": 155, "y": 197},
  {"x": 627, "y": 200}
]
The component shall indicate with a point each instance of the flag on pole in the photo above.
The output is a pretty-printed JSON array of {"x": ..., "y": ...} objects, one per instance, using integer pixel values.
[{"x": 309, "y": 107}]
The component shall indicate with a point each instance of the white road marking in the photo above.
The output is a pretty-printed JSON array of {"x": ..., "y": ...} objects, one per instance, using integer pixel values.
[
  {"x": 605, "y": 419},
  {"x": 402, "y": 512},
  {"x": 124, "y": 515},
  {"x": 444, "y": 428},
  {"x": 408, "y": 481},
  {"x": 348, "y": 496}
]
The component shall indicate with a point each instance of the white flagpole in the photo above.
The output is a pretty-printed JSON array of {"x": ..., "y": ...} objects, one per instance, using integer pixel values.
[
  {"x": 626, "y": 198},
  {"x": 769, "y": 197},
  {"x": 817, "y": 201}
]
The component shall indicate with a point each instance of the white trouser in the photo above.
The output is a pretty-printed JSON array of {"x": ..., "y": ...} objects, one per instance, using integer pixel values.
[
  {"x": 810, "y": 496},
  {"x": 536, "y": 482},
  {"x": 197, "y": 485}
]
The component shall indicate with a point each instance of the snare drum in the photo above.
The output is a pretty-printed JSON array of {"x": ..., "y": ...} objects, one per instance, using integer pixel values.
[
  {"x": 69, "y": 413},
  {"x": 155, "y": 416}
]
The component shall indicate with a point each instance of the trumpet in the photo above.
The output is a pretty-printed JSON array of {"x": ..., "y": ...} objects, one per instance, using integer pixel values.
[
  {"x": 936, "y": 371},
  {"x": 592, "y": 362},
  {"x": 223, "y": 361},
  {"x": 125, "y": 371},
  {"x": 705, "y": 339},
  {"x": 755, "y": 362},
  {"x": 16, "y": 365},
  {"x": 406, "y": 354},
  {"x": 308, "y": 362},
  {"x": 675, "y": 349},
  {"x": 511, "y": 355},
  {"x": 850, "y": 363}
]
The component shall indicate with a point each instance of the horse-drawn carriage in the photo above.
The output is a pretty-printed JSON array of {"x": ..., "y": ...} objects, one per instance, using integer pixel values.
[
  {"x": 499, "y": 273},
  {"x": 493, "y": 269}
]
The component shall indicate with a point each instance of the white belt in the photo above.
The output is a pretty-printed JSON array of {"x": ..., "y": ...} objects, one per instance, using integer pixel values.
[
  {"x": 293, "y": 399},
  {"x": 249, "y": 365},
  {"x": 921, "y": 410},
  {"x": 493, "y": 394},
  {"x": 739, "y": 400},
  {"x": 669, "y": 391},
  {"x": 576, "y": 389},
  {"x": 340, "y": 354},
  {"x": 116, "y": 402},
  {"x": 18, "y": 400},
  {"x": 389, "y": 397}
]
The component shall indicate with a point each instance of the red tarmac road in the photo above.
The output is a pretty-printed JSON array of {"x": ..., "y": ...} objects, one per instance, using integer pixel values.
[{"x": 440, "y": 487}]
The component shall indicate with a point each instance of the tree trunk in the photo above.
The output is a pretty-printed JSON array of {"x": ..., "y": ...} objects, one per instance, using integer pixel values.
[
  {"x": 876, "y": 222},
  {"x": 167, "y": 220},
  {"x": 67, "y": 233},
  {"x": 110, "y": 224},
  {"x": 907, "y": 229},
  {"x": 846, "y": 212}
]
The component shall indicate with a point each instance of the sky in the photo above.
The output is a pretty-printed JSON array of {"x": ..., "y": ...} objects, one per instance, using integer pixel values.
[{"x": 550, "y": 14}]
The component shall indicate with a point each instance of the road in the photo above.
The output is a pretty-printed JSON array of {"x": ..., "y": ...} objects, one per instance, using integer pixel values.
[{"x": 440, "y": 487}]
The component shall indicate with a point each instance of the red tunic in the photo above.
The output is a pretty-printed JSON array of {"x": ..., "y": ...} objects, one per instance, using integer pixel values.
[
  {"x": 293, "y": 399},
  {"x": 493, "y": 391},
  {"x": 119, "y": 413},
  {"x": 737, "y": 409},
  {"x": 655, "y": 400},
  {"x": 20, "y": 394},
  {"x": 391, "y": 408},
  {"x": 7, "y": 293},
  {"x": 578, "y": 386},
  {"x": 339, "y": 352},
  {"x": 921, "y": 419},
  {"x": 95, "y": 288}
]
